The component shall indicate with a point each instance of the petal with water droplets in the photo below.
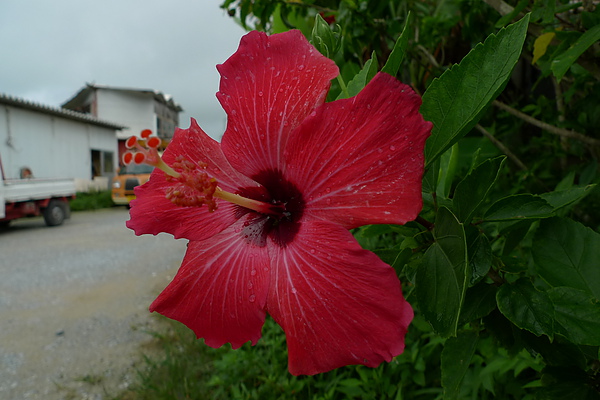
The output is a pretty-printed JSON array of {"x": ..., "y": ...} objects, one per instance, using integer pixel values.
[
  {"x": 337, "y": 303},
  {"x": 267, "y": 88},
  {"x": 359, "y": 161},
  {"x": 220, "y": 290}
]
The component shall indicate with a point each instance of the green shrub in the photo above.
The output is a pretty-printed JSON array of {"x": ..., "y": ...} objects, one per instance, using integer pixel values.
[{"x": 91, "y": 201}]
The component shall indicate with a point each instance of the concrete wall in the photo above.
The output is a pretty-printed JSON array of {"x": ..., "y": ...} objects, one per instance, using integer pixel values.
[
  {"x": 135, "y": 111},
  {"x": 53, "y": 146}
]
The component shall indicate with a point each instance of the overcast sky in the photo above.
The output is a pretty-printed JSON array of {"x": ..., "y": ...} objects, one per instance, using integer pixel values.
[{"x": 49, "y": 49}]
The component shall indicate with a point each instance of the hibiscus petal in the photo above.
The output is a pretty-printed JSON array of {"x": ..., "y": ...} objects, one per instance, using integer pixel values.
[
  {"x": 359, "y": 161},
  {"x": 220, "y": 290},
  {"x": 267, "y": 88},
  {"x": 153, "y": 213},
  {"x": 337, "y": 303}
]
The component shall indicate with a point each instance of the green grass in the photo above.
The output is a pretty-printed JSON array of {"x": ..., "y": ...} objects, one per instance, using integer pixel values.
[
  {"x": 181, "y": 367},
  {"x": 91, "y": 201},
  {"x": 186, "y": 368}
]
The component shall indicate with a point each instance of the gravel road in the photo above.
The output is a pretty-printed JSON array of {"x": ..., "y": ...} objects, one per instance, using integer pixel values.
[{"x": 73, "y": 304}]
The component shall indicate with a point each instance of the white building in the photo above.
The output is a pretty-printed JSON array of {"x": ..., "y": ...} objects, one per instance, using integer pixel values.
[
  {"x": 56, "y": 143},
  {"x": 137, "y": 109}
]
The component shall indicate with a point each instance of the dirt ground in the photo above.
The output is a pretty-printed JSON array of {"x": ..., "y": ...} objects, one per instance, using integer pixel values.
[{"x": 73, "y": 305}]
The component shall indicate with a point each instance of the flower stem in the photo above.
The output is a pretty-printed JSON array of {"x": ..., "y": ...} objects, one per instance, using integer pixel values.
[{"x": 343, "y": 85}]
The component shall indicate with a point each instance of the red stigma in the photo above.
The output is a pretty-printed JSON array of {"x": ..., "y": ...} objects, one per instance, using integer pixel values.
[
  {"x": 146, "y": 133},
  {"x": 146, "y": 149},
  {"x": 194, "y": 187}
]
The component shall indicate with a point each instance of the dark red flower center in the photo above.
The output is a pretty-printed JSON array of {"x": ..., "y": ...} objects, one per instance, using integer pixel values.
[
  {"x": 281, "y": 227},
  {"x": 273, "y": 210}
]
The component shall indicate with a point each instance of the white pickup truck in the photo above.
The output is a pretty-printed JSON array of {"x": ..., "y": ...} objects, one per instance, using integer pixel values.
[{"x": 31, "y": 197}]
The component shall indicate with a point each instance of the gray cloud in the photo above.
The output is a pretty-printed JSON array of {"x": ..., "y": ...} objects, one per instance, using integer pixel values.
[{"x": 50, "y": 49}]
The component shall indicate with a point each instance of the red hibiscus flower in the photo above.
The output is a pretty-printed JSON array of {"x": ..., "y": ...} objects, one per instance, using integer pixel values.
[{"x": 267, "y": 211}]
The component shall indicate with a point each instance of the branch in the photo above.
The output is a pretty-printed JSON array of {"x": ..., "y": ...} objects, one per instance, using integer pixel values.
[
  {"x": 425, "y": 223},
  {"x": 428, "y": 55},
  {"x": 502, "y": 147},
  {"x": 500, "y": 6},
  {"x": 547, "y": 127}
]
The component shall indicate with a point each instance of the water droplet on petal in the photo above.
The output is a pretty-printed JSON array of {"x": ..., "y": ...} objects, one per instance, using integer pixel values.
[
  {"x": 253, "y": 272},
  {"x": 252, "y": 298},
  {"x": 300, "y": 67},
  {"x": 392, "y": 147},
  {"x": 294, "y": 290},
  {"x": 250, "y": 285},
  {"x": 260, "y": 94}
]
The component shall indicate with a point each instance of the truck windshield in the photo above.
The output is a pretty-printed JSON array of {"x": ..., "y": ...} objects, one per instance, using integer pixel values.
[{"x": 136, "y": 169}]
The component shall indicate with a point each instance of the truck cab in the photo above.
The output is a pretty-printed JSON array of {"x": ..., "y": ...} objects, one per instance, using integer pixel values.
[{"x": 129, "y": 177}]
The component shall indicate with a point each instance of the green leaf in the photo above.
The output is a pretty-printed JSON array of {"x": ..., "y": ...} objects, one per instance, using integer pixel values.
[
  {"x": 514, "y": 235},
  {"x": 361, "y": 79},
  {"x": 454, "y": 101},
  {"x": 559, "y": 352},
  {"x": 480, "y": 254},
  {"x": 577, "y": 315},
  {"x": 562, "y": 63},
  {"x": 431, "y": 178},
  {"x": 396, "y": 258},
  {"x": 456, "y": 357},
  {"x": 566, "y": 383},
  {"x": 473, "y": 189},
  {"x": 520, "y": 206},
  {"x": 448, "y": 164},
  {"x": 392, "y": 65},
  {"x": 567, "y": 253},
  {"x": 480, "y": 300},
  {"x": 529, "y": 206},
  {"x": 526, "y": 307},
  {"x": 443, "y": 277},
  {"x": 562, "y": 198}
]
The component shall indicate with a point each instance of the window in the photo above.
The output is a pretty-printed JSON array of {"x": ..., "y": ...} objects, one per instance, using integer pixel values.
[
  {"x": 102, "y": 163},
  {"x": 108, "y": 166}
]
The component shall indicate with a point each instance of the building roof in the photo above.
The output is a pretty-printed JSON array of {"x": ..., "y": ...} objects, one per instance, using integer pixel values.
[
  {"x": 90, "y": 87},
  {"x": 56, "y": 111}
]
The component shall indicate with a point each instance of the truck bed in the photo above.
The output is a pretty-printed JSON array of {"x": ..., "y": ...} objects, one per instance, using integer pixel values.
[{"x": 14, "y": 190}]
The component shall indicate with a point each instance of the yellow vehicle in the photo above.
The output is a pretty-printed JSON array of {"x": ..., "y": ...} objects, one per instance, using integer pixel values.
[{"x": 129, "y": 177}]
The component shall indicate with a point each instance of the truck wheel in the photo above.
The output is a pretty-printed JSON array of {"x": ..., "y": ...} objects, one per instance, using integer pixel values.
[{"x": 56, "y": 212}]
